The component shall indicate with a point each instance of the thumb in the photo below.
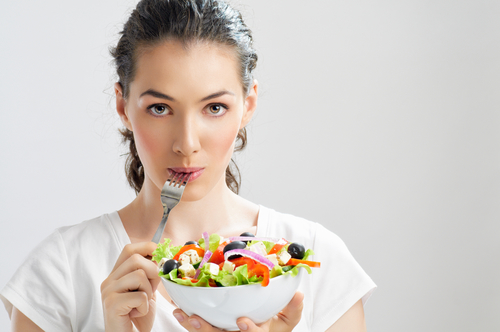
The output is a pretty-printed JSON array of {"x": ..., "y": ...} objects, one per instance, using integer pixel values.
[
  {"x": 290, "y": 315},
  {"x": 286, "y": 320}
]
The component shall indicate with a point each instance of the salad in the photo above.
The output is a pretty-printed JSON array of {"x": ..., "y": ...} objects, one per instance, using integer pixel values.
[{"x": 240, "y": 260}]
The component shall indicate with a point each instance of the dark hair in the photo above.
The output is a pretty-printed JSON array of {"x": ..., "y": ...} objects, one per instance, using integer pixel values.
[{"x": 155, "y": 21}]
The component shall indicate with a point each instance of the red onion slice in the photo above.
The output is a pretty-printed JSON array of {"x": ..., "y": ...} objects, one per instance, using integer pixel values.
[
  {"x": 205, "y": 259},
  {"x": 206, "y": 238},
  {"x": 251, "y": 238},
  {"x": 250, "y": 254}
]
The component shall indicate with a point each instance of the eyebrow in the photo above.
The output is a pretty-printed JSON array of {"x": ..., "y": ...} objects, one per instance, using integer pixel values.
[
  {"x": 157, "y": 94},
  {"x": 217, "y": 94}
]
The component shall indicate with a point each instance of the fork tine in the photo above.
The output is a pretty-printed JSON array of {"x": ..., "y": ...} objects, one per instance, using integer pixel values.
[
  {"x": 185, "y": 180},
  {"x": 174, "y": 179},
  {"x": 179, "y": 180}
]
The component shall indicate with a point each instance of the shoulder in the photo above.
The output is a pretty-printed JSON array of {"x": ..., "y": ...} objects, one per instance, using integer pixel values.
[
  {"x": 94, "y": 231},
  {"x": 66, "y": 270}
]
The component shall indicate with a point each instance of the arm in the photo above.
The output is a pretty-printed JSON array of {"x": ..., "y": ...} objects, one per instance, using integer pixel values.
[
  {"x": 352, "y": 321},
  {"x": 22, "y": 323}
]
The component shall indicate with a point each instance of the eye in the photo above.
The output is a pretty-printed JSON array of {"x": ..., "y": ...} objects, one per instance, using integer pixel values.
[
  {"x": 217, "y": 109},
  {"x": 158, "y": 109}
]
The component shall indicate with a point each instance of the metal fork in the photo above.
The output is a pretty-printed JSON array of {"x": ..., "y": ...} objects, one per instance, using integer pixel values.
[{"x": 171, "y": 194}]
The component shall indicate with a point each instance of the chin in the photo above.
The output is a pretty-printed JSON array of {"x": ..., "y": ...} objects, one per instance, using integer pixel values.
[{"x": 193, "y": 193}]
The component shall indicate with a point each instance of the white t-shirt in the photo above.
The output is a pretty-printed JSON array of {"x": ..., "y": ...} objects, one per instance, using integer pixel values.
[{"x": 58, "y": 286}]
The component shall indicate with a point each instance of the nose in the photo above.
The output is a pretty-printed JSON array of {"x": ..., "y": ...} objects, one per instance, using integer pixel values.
[{"x": 186, "y": 137}]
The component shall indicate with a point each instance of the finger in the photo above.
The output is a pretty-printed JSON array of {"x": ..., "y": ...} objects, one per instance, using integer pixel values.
[
  {"x": 122, "y": 304},
  {"x": 247, "y": 325},
  {"x": 193, "y": 323},
  {"x": 290, "y": 315},
  {"x": 134, "y": 281},
  {"x": 283, "y": 321},
  {"x": 142, "y": 248},
  {"x": 137, "y": 262}
]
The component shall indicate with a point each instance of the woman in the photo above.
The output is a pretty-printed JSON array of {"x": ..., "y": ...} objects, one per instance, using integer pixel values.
[{"x": 185, "y": 94}]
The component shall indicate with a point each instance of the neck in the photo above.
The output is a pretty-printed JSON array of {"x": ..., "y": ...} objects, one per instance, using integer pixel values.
[{"x": 220, "y": 211}]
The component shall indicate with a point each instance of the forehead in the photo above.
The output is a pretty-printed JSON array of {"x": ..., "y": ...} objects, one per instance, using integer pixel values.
[{"x": 199, "y": 67}]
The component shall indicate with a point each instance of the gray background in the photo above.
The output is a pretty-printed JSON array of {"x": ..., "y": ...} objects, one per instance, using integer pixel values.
[{"x": 378, "y": 119}]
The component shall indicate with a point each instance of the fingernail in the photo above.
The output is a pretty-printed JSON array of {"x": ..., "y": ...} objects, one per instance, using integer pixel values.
[
  {"x": 179, "y": 317},
  {"x": 242, "y": 326},
  {"x": 194, "y": 323}
]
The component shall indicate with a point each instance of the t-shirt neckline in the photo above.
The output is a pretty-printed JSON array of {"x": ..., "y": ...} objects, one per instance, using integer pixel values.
[{"x": 123, "y": 238}]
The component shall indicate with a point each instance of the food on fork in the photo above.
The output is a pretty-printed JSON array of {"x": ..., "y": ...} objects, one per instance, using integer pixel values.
[{"x": 239, "y": 260}]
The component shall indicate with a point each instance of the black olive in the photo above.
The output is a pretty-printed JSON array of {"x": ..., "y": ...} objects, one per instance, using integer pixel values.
[
  {"x": 234, "y": 245},
  {"x": 170, "y": 265},
  {"x": 247, "y": 234},
  {"x": 296, "y": 250},
  {"x": 190, "y": 242}
]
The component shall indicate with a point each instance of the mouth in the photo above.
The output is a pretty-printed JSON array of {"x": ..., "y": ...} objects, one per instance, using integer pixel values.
[{"x": 194, "y": 171}]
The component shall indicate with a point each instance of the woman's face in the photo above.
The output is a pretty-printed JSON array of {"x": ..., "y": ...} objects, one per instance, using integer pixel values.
[{"x": 185, "y": 108}]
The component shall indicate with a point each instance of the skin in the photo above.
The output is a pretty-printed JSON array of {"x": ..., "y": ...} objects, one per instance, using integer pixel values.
[{"x": 191, "y": 120}]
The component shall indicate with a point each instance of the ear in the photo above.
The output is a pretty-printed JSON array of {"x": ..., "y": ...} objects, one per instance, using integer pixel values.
[
  {"x": 250, "y": 104},
  {"x": 121, "y": 107}
]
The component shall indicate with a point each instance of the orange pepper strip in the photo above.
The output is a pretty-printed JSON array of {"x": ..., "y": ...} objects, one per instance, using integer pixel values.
[
  {"x": 294, "y": 261},
  {"x": 277, "y": 247},
  {"x": 200, "y": 251}
]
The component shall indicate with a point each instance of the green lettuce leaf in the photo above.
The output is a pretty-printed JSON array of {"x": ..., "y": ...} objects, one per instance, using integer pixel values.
[
  {"x": 226, "y": 279},
  {"x": 213, "y": 242},
  {"x": 202, "y": 280},
  {"x": 165, "y": 251},
  {"x": 276, "y": 271},
  {"x": 308, "y": 253}
]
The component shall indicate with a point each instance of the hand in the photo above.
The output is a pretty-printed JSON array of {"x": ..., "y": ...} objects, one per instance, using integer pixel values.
[
  {"x": 285, "y": 321},
  {"x": 128, "y": 294}
]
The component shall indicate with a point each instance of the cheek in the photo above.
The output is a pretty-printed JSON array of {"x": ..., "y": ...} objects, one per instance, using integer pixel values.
[
  {"x": 223, "y": 144},
  {"x": 148, "y": 145}
]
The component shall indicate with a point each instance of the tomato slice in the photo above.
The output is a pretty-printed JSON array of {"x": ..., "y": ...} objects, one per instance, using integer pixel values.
[
  {"x": 260, "y": 270},
  {"x": 221, "y": 265},
  {"x": 193, "y": 280},
  {"x": 200, "y": 251},
  {"x": 294, "y": 261},
  {"x": 218, "y": 256}
]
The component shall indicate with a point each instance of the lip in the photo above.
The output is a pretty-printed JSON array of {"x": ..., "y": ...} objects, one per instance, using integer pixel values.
[{"x": 195, "y": 171}]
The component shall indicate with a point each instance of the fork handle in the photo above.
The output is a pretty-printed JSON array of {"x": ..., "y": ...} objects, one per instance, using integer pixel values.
[{"x": 161, "y": 227}]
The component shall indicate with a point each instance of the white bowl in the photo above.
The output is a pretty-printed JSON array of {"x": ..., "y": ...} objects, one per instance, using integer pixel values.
[{"x": 222, "y": 306}]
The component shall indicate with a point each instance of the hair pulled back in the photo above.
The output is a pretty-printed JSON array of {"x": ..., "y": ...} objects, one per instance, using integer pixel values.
[{"x": 155, "y": 21}]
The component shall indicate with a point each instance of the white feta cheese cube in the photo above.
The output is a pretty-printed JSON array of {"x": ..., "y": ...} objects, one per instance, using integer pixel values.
[
  {"x": 258, "y": 248},
  {"x": 161, "y": 263},
  {"x": 273, "y": 259},
  {"x": 189, "y": 257},
  {"x": 212, "y": 268},
  {"x": 187, "y": 270},
  {"x": 184, "y": 259},
  {"x": 283, "y": 258},
  {"x": 228, "y": 266}
]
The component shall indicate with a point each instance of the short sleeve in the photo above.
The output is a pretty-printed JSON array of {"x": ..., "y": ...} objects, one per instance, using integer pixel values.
[
  {"x": 42, "y": 287},
  {"x": 339, "y": 283}
]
